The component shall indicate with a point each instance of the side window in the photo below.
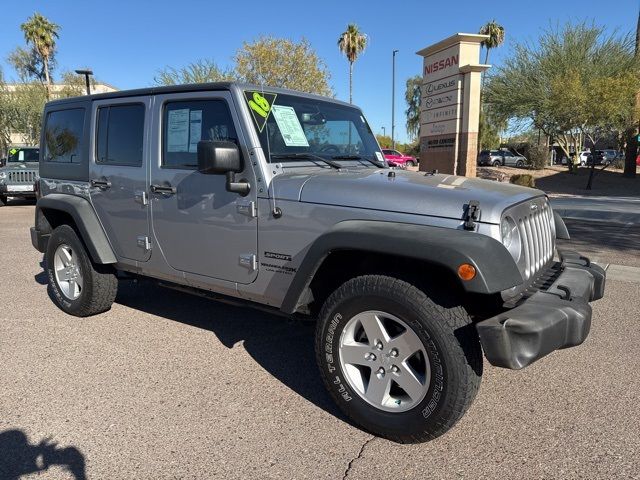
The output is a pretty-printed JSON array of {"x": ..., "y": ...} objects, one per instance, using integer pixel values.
[
  {"x": 185, "y": 123},
  {"x": 120, "y": 135},
  {"x": 63, "y": 136}
]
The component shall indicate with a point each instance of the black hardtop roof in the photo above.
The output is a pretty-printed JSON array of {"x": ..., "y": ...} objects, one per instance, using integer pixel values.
[{"x": 192, "y": 87}]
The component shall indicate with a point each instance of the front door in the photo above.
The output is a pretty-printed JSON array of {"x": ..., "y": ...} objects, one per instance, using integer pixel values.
[
  {"x": 118, "y": 173},
  {"x": 200, "y": 227}
]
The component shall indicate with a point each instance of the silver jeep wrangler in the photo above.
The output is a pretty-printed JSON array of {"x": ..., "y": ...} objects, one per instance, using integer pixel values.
[{"x": 283, "y": 200}]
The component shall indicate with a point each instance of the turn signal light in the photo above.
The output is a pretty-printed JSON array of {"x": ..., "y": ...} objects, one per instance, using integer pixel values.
[{"x": 466, "y": 271}]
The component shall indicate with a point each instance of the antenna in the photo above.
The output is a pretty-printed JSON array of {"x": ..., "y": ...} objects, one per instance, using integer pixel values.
[{"x": 275, "y": 210}]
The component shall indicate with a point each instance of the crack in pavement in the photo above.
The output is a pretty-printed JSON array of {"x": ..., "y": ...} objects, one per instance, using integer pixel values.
[{"x": 350, "y": 464}]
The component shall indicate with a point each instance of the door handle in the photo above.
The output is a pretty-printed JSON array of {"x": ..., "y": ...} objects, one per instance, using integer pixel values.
[
  {"x": 163, "y": 189},
  {"x": 101, "y": 184}
]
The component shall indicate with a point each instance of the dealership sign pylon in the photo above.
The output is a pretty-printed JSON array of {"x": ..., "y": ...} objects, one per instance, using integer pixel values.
[{"x": 450, "y": 104}]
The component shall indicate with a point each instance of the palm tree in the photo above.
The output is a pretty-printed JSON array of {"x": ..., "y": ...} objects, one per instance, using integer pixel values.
[
  {"x": 42, "y": 35},
  {"x": 496, "y": 37},
  {"x": 352, "y": 43}
]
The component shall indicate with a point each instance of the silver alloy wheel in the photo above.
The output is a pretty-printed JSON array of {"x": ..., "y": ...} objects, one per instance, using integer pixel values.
[
  {"x": 67, "y": 272},
  {"x": 384, "y": 361}
]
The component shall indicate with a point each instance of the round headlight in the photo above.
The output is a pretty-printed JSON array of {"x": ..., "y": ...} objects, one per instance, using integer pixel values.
[
  {"x": 507, "y": 233},
  {"x": 510, "y": 237}
]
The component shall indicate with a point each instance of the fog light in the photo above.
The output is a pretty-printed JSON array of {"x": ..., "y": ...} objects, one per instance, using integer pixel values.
[{"x": 466, "y": 271}]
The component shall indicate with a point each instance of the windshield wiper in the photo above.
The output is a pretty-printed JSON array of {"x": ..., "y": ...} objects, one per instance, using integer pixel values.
[
  {"x": 309, "y": 156},
  {"x": 357, "y": 157}
]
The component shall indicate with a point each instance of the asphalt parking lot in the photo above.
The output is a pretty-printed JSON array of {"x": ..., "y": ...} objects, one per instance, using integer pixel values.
[{"x": 168, "y": 385}]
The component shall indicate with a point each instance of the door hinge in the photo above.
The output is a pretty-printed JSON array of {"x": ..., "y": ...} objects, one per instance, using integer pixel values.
[
  {"x": 248, "y": 209},
  {"x": 141, "y": 197},
  {"x": 143, "y": 242},
  {"x": 249, "y": 261}
]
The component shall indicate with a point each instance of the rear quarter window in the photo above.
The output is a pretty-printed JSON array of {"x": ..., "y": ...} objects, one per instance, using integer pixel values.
[
  {"x": 64, "y": 140},
  {"x": 63, "y": 136}
]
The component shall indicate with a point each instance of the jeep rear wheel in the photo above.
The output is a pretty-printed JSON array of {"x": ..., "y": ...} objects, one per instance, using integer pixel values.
[
  {"x": 397, "y": 362},
  {"x": 78, "y": 286}
]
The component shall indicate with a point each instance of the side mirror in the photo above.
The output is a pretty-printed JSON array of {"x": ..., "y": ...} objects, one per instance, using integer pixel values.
[
  {"x": 215, "y": 158},
  {"x": 218, "y": 157}
]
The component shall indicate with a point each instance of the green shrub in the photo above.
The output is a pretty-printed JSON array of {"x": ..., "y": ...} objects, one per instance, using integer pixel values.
[
  {"x": 525, "y": 180},
  {"x": 538, "y": 156}
]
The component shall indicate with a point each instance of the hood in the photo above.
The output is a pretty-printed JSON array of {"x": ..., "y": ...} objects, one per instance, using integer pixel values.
[
  {"x": 21, "y": 166},
  {"x": 417, "y": 193}
]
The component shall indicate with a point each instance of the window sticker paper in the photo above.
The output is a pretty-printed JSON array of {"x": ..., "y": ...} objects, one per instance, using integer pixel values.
[
  {"x": 289, "y": 125},
  {"x": 178, "y": 131},
  {"x": 195, "y": 129}
]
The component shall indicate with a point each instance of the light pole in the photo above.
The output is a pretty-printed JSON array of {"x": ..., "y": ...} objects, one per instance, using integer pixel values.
[
  {"x": 86, "y": 74},
  {"x": 384, "y": 131},
  {"x": 393, "y": 99}
]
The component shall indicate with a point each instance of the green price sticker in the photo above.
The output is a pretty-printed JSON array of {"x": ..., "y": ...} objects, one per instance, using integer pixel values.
[
  {"x": 260, "y": 104},
  {"x": 13, "y": 151}
]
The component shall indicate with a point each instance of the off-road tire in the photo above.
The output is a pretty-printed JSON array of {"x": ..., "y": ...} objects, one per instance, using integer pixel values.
[
  {"x": 447, "y": 334},
  {"x": 410, "y": 163},
  {"x": 100, "y": 284},
  {"x": 519, "y": 164},
  {"x": 496, "y": 164}
]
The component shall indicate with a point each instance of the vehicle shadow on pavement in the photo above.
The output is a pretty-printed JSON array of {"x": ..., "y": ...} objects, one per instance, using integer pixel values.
[
  {"x": 595, "y": 239},
  {"x": 18, "y": 457},
  {"x": 283, "y": 347},
  {"x": 605, "y": 182}
]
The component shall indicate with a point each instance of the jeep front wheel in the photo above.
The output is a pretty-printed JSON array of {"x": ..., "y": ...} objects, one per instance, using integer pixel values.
[
  {"x": 397, "y": 362},
  {"x": 78, "y": 286}
]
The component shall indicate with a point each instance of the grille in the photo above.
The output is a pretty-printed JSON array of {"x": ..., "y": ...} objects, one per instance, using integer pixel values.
[
  {"x": 537, "y": 237},
  {"x": 22, "y": 177}
]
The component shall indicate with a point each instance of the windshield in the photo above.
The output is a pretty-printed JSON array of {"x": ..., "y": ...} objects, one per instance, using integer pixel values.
[
  {"x": 294, "y": 128},
  {"x": 23, "y": 155}
]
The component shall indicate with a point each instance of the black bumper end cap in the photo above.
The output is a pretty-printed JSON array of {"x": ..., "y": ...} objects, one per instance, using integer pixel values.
[
  {"x": 573, "y": 259},
  {"x": 544, "y": 323}
]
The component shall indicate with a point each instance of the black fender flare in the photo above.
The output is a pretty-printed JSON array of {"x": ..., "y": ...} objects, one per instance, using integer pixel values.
[
  {"x": 86, "y": 221},
  {"x": 446, "y": 247}
]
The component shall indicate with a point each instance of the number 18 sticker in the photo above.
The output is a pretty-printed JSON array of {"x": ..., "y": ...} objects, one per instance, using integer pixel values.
[{"x": 260, "y": 104}]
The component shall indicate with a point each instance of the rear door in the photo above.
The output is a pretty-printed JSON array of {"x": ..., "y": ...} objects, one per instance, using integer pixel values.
[{"x": 118, "y": 173}]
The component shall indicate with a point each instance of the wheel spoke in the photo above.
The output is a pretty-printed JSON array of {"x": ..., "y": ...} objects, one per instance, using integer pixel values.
[
  {"x": 354, "y": 353},
  {"x": 407, "y": 344},
  {"x": 374, "y": 328},
  {"x": 65, "y": 286},
  {"x": 378, "y": 388},
  {"x": 409, "y": 382},
  {"x": 64, "y": 256},
  {"x": 79, "y": 282}
]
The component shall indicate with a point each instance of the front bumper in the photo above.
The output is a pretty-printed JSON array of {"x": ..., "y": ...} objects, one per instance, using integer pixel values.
[
  {"x": 551, "y": 319},
  {"x": 19, "y": 190}
]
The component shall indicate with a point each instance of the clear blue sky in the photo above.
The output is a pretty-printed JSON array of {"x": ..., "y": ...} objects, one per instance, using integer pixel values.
[{"x": 127, "y": 42}]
